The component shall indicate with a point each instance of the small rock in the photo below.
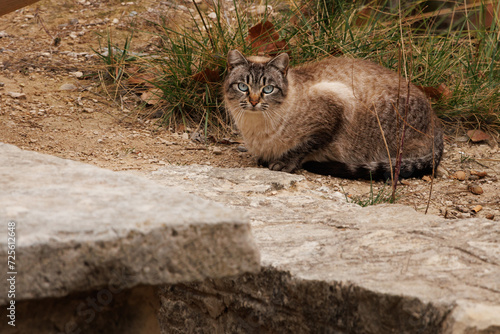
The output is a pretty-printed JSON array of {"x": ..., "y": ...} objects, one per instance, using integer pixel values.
[
  {"x": 185, "y": 136},
  {"x": 73, "y": 22},
  {"x": 490, "y": 216},
  {"x": 73, "y": 35},
  {"x": 68, "y": 86},
  {"x": 2, "y": 84},
  {"x": 459, "y": 175},
  {"x": 479, "y": 174},
  {"x": 198, "y": 136},
  {"x": 3, "y": 34},
  {"x": 241, "y": 148},
  {"x": 76, "y": 74},
  {"x": 217, "y": 151},
  {"x": 462, "y": 209},
  {"x": 16, "y": 95},
  {"x": 88, "y": 110},
  {"x": 475, "y": 189},
  {"x": 212, "y": 15},
  {"x": 115, "y": 21}
]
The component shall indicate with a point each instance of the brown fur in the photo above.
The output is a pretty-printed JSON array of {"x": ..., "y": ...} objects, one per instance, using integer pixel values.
[{"x": 324, "y": 115}]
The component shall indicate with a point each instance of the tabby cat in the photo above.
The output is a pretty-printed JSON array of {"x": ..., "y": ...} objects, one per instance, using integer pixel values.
[{"x": 339, "y": 116}]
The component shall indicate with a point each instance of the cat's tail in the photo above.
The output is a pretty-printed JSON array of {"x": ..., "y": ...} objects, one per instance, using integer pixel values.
[{"x": 378, "y": 170}]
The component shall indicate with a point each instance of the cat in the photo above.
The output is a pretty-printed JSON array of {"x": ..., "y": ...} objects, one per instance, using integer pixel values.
[{"x": 339, "y": 116}]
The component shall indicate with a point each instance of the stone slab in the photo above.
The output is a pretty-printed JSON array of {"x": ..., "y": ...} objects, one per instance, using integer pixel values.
[
  {"x": 81, "y": 228},
  {"x": 396, "y": 270}
]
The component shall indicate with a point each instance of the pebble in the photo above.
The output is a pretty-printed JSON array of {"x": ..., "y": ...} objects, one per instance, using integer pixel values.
[
  {"x": 68, "y": 86},
  {"x": 241, "y": 149},
  {"x": 217, "y": 151},
  {"x": 460, "y": 175},
  {"x": 475, "y": 189},
  {"x": 76, "y": 74},
  {"x": 16, "y": 95}
]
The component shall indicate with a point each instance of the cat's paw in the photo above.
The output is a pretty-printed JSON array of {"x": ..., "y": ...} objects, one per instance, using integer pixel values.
[
  {"x": 282, "y": 166},
  {"x": 262, "y": 162}
]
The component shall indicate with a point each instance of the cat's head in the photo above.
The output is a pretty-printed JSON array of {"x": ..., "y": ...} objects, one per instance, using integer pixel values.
[{"x": 256, "y": 83}]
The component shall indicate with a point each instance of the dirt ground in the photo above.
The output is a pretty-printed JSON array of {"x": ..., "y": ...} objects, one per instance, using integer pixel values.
[{"x": 49, "y": 104}]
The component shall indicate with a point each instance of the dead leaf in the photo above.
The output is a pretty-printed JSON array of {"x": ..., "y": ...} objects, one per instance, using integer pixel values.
[
  {"x": 427, "y": 178},
  {"x": 475, "y": 189},
  {"x": 478, "y": 135},
  {"x": 477, "y": 208},
  {"x": 479, "y": 174},
  {"x": 264, "y": 38},
  {"x": 459, "y": 175},
  {"x": 141, "y": 79},
  {"x": 207, "y": 76},
  {"x": 364, "y": 16},
  {"x": 441, "y": 92},
  {"x": 152, "y": 96}
]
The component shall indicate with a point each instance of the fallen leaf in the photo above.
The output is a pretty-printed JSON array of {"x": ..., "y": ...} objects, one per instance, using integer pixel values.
[
  {"x": 441, "y": 92},
  {"x": 477, "y": 208},
  {"x": 475, "y": 189},
  {"x": 459, "y": 175},
  {"x": 141, "y": 79},
  {"x": 479, "y": 174},
  {"x": 207, "y": 75},
  {"x": 264, "y": 38},
  {"x": 152, "y": 96},
  {"x": 478, "y": 135},
  {"x": 427, "y": 178},
  {"x": 364, "y": 16}
]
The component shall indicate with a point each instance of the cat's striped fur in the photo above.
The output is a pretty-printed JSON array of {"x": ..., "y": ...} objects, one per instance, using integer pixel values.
[{"x": 331, "y": 117}]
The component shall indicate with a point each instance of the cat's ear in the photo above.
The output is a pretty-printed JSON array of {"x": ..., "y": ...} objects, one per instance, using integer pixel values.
[
  {"x": 235, "y": 58},
  {"x": 280, "y": 62}
]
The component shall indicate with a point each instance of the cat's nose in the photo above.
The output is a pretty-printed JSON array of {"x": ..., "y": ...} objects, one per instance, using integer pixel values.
[{"x": 254, "y": 99}]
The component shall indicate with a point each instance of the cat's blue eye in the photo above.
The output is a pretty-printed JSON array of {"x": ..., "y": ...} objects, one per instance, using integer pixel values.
[
  {"x": 268, "y": 89},
  {"x": 243, "y": 87}
]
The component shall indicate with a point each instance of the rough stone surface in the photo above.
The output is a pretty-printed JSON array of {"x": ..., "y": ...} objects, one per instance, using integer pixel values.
[
  {"x": 333, "y": 267},
  {"x": 80, "y": 228}
]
